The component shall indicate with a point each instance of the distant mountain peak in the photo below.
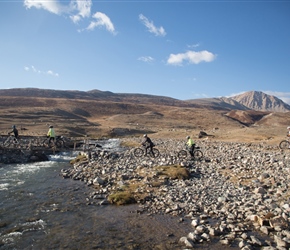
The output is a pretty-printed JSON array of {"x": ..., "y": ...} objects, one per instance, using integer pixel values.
[{"x": 258, "y": 100}]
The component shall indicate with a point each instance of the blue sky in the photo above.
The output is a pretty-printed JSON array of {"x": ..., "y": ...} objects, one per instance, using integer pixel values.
[{"x": 181, "y": 49}]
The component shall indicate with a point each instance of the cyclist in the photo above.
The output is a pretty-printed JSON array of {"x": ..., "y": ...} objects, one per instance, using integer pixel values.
[
  {"x": 288, "y": 134},
  {"x": 15, "y": 132},
  {"x": 147, "y": 143},
  {"x": 51, "y": 134},
  {"x": 190, "y": 145}
]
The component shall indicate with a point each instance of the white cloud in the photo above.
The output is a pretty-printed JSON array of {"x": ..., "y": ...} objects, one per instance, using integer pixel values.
[
  {"x": 48, "y": 72},
  {"x": 151, "y": 27},
  {"x": 284, "y": 96},
  {"x": 198, "y": 95},
  {"x": 191, "y": 57},
  {"x": 52, "y": 6},
  {"x": 101, "y": 20},
  {"x": 234, "y": 94},
  {"x": 193, "y": 45},
  {"x": 146, "y": 59},
  {"x": 34, "y": 69},
  {"x": 84, "y": 10},
  {"x": 76, "y": 10}
]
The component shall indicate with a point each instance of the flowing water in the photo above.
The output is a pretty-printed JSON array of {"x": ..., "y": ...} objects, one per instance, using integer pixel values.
[{"x": 41, "y": 210}]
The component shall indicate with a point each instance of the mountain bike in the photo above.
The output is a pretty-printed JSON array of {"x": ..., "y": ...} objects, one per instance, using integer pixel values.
[
  {"x": 143, "y": 151},
  {"x": 58, "y": 142},
  {"x": 197, "y": 153},
  {"x": 11, "y": 140},
  {"x": 284, "y": 144}
]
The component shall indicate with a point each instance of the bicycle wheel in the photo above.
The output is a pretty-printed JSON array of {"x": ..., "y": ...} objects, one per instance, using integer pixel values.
[
  {"x": 284, "y": 144},
  {"x": 7, "y": 143},
  {"x": 155, "y": 154},
  {"x": 138, "y": 152},
  {"x": 197, "y": 154},
  {"x": 182, "y": 154},
  {"x": 59, "y": 144},
  {"x": 45, "y": 143}
]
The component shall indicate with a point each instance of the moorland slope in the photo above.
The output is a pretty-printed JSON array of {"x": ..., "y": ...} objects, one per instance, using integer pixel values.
[{"x": 99, "y": 114}]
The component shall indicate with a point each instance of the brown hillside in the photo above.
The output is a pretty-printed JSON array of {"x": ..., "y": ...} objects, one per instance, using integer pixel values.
[
  {"x": 248, "y": 117},
  {"x": 106, "y": 118}
]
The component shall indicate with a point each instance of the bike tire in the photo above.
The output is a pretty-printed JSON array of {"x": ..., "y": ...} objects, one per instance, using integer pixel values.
[
  {"x": 47, "y": 144},
  {"x": 182, "y": 154},
  {"x": 6, "y": 143},
  {"x": 284, "y": 144},
  {"x": 10, "y": 141},
  {"x": 155, "y": 154},
  {"x": 59, "y": 144},
  {"x": 197, "y": 154},
  {"x": 138, "y": 152}
]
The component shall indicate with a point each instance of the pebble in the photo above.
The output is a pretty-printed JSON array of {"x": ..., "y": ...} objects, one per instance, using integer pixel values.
[{"x": 238, "y": 192}]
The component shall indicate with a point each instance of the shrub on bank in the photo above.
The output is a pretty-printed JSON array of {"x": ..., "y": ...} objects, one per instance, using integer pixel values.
[
  {"x": 173, "y": 172},
  {"x": 121, "y": 198},
  {"x": 79, "y": 158}
]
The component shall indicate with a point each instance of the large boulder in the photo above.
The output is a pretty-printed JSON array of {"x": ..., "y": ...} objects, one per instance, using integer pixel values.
[{"x": 37, "y": 156}]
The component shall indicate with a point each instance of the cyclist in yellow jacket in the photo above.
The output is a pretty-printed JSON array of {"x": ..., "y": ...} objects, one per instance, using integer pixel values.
[
  {"x": 51, "y": 134},
  {"x": 190, "y": 145}
]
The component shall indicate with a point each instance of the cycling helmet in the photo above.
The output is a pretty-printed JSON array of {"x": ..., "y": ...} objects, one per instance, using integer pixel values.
[
  {"x": 145, "y": 135},
  {"x": 50, "y": 126},
  {"x": 13, "y": 126},
  {"x": 187, "y": 137}
]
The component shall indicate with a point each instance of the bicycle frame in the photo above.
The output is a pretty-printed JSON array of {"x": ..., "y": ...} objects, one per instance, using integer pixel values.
[{"x": 11, "y": 139}]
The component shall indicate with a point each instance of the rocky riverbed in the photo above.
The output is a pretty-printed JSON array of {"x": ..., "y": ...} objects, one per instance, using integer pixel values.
[{"x": 238, "y": 193}]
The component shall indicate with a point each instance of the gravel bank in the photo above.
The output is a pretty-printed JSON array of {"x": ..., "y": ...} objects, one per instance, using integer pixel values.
[{"x": 239, "y": 193}]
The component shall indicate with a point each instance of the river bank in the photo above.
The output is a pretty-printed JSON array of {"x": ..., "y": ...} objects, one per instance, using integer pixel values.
[{"x": 238, "y": 194}]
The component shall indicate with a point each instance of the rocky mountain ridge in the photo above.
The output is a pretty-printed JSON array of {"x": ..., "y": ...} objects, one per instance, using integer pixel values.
[
  {"x": 251, "y": 100},
  {"x": 257, "y": 100}
]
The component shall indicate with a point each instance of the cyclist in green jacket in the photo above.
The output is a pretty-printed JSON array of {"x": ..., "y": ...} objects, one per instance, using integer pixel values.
[
  {"x": 190, "y": 145},
  {"x": 51, "y": 134}
]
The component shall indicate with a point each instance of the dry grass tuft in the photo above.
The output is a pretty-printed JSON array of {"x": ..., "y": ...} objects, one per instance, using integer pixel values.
[
  {"x": 122, "y": 198},
  {"x": 173, "y": 172},
  {"x": 79, "y": 158}
]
